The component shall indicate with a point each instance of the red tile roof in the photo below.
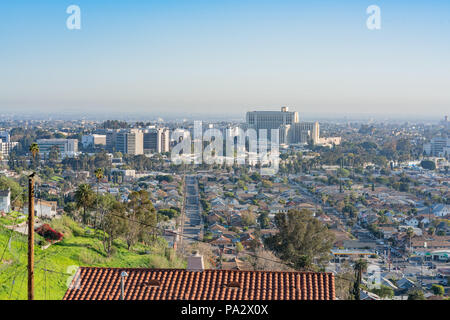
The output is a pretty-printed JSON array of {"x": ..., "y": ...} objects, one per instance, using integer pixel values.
[{"x": 175, "y": 284}]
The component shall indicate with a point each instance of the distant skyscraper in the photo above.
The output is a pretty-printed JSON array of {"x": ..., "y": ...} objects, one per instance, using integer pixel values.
[{"x": 270, "y": 119}]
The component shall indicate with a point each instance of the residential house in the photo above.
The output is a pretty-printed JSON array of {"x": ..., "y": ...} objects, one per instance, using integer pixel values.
[
  {"x": 5, "y": 200},
  {"x": 441, "y": 210},
  {"x": 45, "y": 209}
]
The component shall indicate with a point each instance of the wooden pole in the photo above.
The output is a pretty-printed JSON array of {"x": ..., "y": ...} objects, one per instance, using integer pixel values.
[{"x": 31, "y": 237}]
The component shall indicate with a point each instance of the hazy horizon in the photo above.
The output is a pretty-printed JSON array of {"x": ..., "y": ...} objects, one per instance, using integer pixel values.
[
  {"x": 229, "y": 117},
  {"x": 217, "y": 58}
]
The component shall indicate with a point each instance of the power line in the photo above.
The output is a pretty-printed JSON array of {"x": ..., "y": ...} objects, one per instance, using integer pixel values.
[
  {"x": 12, "y": 228},
  {"x": 202, "y": 241}
]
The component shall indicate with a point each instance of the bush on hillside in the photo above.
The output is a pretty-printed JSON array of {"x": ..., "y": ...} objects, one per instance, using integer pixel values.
[{"x": 48, "y": 233}]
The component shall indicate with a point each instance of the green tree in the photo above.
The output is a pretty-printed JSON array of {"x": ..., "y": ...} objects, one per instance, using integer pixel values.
[
  {"x": 384, "y": 291},
  {"x": 113, "y": 221},
  {"x": 359, "y": 267},
  {"x": 84, "y": 197},
  {"x": 98, "y": 176},
  {"x": 248, "y": 218},
  {"x": 16, "y": 190},
  {"x": 239, "y": 248},
  {"x": 34, "y": 150},
  {"x": 410, "y": 235},
  {"x": 170, "y": 213},
  {"x": 428, "y": 164},
  {"x": 438, "y": 289},
  {"x": 416, "y": 294},
  {"x": 141, "y": 216},
  {"x": 53, "y": 155},
  {"x": 264, "y": 220},
  {"x": 302, "y": 240}
]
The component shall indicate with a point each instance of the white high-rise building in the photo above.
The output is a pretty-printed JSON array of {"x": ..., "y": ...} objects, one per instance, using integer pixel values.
[
  {"x": 66, "y": 147},
  {"x": 271, "y": 119},
  {"x": 302, "y": 133},
  {"x": 438, "y": 147},
  {"x": 6, "y": 145}
]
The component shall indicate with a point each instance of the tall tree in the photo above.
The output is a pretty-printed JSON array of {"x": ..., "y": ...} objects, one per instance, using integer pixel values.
[
  {"x": 113, "y": 221},
  {"x": 34, "y": 149},
  {"x": 99, "y": 176},
  {"x": 302, "y": 240},
  {"x": 360, "y": 267},
  {"x": 84, "y": 197},
  {"x": 141, "y": 217},
  {"x": 410, "y": 235}
]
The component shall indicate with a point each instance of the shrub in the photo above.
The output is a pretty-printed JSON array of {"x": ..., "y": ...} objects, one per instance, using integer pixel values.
[{"x": 48, "y": 233}]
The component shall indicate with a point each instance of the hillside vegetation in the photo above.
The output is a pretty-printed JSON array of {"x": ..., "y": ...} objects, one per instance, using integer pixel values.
[{"x": 80, "y": 247}]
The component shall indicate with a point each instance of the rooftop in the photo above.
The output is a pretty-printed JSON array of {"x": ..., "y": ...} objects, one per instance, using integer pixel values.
[{"x": 175, "y": 284}]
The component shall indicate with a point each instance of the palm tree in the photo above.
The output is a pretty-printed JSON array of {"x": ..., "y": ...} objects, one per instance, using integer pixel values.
[
  {"x": 84, "y": 198},
  {"x": 99, "y": 176},
  {"x": 360, "y": 267},
  {"x": 410, "y": 234},
  {"x": 34, "y": 149}
]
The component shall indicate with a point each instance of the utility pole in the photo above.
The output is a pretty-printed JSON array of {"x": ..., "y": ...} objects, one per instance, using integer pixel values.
[{"x": 31, "y": 237}]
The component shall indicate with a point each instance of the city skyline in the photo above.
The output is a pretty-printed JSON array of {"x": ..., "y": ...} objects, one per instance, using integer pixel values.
[{"x": 207, "y": 57}]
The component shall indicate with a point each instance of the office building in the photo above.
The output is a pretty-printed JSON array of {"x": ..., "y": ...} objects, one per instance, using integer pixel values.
[
  {"x": 130, "y": 141},
  {"x": 156, "y": 140},
  {"x": 300, "y": 133},
  {"x": 270, "y": 119},
  {"x": 93, "y": 140},
  {"x": 6, "y": 146},
  {"x": 111, "y": 137},
  {"x": 66, "y": 147},
  {"x": 438, "y": 147}
]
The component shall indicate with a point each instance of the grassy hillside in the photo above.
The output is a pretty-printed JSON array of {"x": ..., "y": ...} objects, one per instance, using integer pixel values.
[{"x": 79, "y": 248}]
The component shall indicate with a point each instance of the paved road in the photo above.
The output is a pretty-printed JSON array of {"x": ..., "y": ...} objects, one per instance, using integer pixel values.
[{"x": 192, "y": 220}]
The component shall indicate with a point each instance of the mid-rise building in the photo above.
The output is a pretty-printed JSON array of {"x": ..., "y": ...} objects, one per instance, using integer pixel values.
[
  {"x": 300, "y": 133},
  {"x": 438, "y": 147},
  {"x": 111, "y": 137},
  {"x": 93, "y": 140},
  {"x": 66, "y": 147},
  {"x": 157, "y": 140},
  {"x": 7, "y": 147},
  {"x": 130, "y": 141}
]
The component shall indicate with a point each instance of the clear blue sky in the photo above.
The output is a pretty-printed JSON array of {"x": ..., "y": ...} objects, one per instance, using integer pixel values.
[{"x": 225, "y": 56}]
